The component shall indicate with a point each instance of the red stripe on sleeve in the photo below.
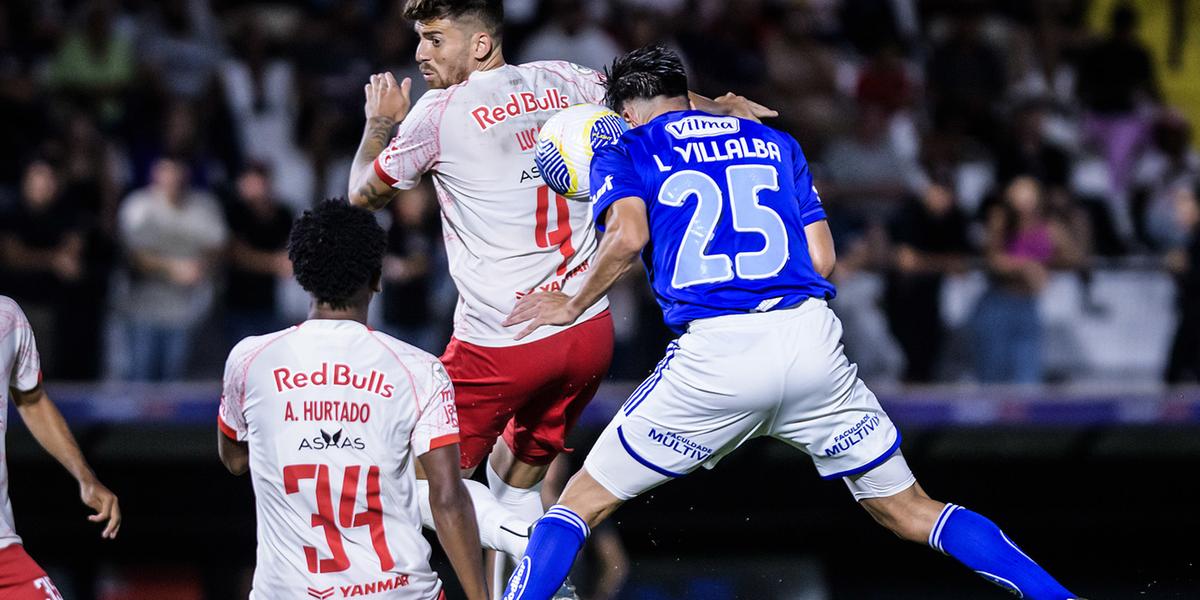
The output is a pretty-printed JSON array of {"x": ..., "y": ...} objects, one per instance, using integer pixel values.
[
  {"x": 383, "y": 175},
  {"x": 443, "y": 440},
  {"x": 225, "y": 429}
]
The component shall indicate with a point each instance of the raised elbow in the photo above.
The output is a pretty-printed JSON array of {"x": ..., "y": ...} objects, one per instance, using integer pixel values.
[{"x": 236, "y": 465}]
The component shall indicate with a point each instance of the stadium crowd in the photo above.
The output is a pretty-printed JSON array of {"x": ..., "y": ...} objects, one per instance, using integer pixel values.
[{"x": 154, "y": 154}]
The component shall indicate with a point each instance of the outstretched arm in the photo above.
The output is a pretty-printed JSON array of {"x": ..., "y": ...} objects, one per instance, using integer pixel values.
[
  {"x": 51, "y": 431},
  {"x": 627, "y": 232},
  {"x": 387, "y": 103},
  {"x": 731, "y": 104},
  {"x": 454, "y": 515}
]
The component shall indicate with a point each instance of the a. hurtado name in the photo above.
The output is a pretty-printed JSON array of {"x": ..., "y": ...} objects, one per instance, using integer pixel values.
[{"x": 728, "y": 149}]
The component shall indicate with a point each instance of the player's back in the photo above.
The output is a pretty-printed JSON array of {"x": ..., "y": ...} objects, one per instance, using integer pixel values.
[
  {"x": 335, "y": 414},
  {"x": 19, "y": 369},
  {"x": 506, "y": 233},
  {"x": 727, "y": 201}
]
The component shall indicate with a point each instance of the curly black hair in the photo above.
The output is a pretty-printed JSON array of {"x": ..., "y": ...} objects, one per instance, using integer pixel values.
[
  {"x": 644, "y": 73},
  {"x": 336, "y": 250}
]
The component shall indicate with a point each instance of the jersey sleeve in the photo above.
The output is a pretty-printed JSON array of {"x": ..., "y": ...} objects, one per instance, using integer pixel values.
[
  {"x": 811, "y": 209},
  {"x": 416, "y": 146},
  {"x": 437, "y": 423},
  {"x": 613, "y": 177},
  {"x": 27, "y": 370},
  {"x": 589, "y": 82},
  {"x": 230, "y": 418}
]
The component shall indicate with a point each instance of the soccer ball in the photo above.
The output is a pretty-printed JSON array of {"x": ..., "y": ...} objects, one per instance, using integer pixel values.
[{"x": 567, "y": 142}]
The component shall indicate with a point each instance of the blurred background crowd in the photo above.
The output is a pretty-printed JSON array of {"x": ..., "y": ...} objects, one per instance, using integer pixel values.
[{"x": 1012, "y": 185}]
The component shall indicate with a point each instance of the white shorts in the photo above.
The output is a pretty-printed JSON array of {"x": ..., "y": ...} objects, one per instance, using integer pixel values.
[{"x": 732, "y": 378}]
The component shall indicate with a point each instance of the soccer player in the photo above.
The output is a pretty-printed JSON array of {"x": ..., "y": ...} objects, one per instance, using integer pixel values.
[
  {"x": 723, "y": 213},
  {"x": 330, "y": 418},
  {"x": 20, "y": 577},
  {"x": 506, "y": 235}
]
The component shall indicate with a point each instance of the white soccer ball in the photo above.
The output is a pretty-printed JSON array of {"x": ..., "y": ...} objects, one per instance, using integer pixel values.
[{"x": 566, "y": 144}]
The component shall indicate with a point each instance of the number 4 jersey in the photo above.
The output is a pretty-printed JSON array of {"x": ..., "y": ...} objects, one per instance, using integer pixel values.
[
  {"x": 506, "y": 233},
  {"x": 727, "y": 201},
  {"x": 335, "y": 414}
]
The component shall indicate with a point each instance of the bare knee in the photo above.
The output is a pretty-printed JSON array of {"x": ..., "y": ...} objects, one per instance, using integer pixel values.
[{"x": 909, "y": 514}]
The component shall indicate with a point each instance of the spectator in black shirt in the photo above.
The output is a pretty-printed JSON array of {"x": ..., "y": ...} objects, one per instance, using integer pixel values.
[
  {"x": 1025, "y": 151},
  {"x": 42, "y": 244},
  {"x": 1116, "y": 77},
  {"x": 930, "y": 240},
  {"x": 1184, "y": 363},
  {"x": 259, "y": 228},
  {"x": 406, "y": 282}
]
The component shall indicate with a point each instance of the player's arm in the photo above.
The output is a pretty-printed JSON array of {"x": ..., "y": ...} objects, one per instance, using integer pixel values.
[
  {"x": 50, "y": 430},
  {"x": 454, "y": 516},
  {"x": 731, "y": 104},
  {"x": 387, "y": 103},
  {"x": 235, "y": 455},
  {"x": 820, "y": 247},
  {"x": 627, "y": 231}
]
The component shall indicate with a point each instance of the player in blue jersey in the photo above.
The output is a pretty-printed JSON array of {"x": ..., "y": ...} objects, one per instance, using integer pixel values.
[{"x": 724, "y": 215}]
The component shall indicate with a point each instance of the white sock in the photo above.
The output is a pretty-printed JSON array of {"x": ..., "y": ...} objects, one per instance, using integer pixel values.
[
  {"x": 525, "y": 503},
  {"x": 499, "y": 529}
]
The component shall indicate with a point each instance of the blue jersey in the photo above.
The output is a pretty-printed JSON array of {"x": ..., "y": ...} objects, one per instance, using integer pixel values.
[{"x": 727, "y": 201}]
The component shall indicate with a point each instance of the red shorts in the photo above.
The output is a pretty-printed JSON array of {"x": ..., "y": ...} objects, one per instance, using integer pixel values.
[
  {"x": 532, "y": 393},
  {"x": 23, "y": 579}
]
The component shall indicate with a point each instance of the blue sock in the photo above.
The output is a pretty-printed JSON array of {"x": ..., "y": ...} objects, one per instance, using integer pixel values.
[
  {"x": 980, "y": 545},
  {"x": 556, "y": 539}
]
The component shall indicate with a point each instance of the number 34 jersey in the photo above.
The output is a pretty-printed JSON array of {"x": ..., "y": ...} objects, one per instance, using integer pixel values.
[
  {"x": 335, "y": 414},
  {"x": 727, "y": 201},
  {"x": 506, "y": 233}
]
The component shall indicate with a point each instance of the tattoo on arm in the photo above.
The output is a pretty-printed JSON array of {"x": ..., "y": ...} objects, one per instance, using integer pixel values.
[
  {"x": 376, "y": 136},
  {"x": 377, "y": 196}
]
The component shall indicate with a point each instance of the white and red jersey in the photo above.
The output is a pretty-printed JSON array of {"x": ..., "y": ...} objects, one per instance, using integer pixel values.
[
  {"x": 20, "y": 368},
  {"x": 506, "y": 233},
  {"x": 335, "y": 414}
]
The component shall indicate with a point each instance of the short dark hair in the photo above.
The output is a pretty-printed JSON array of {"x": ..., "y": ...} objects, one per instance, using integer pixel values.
[
  {"x": 645, "y": 73},
  {"x": 489, "y": 12},
  {"x": 336, "y": 250}
]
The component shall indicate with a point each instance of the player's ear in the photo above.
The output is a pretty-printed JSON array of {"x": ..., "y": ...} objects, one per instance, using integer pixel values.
[
  {"x": 629, "y": 116},
  {"x": 482, "y": 44}
]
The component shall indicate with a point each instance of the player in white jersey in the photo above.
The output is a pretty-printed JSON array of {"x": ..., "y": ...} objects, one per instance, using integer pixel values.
[
  {"x": 20, "y": 367},
  {"x": 506, "y": 235},
  {"x": 331, "y": 419}
]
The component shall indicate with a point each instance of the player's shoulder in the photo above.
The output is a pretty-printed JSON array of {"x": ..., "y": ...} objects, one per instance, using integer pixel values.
[
  {"x": 560, "y": 68},
  {"x": 407, "y": 353},
  {"x": 11, "y": 315},
  {"x": 8, "y": 306},
  {"x": 252, "y": 345}
]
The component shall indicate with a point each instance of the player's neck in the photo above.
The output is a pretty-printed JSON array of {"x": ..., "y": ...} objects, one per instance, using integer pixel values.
[
  {"x": 495, "y": 60},
  {"x": 657, "y": 107},
  {"x": 355, "y": 312}
]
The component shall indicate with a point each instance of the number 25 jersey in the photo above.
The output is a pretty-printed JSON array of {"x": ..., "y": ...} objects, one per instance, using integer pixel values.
[
  {"x": 727, "y": 201},
  {"x": 335, "y": 414}
]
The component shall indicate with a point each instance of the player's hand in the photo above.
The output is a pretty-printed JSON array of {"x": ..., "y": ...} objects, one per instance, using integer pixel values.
[
  {"x": 542, "y": 308},
  {"x": 104, "y": 502},
  {"x": 386, "y": 98},
  {"x": 739, "y": 106}
]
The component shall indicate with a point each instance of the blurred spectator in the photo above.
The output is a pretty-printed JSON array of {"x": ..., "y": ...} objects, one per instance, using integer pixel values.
[
  {"x": 21, "y": 100},
  {"x": 1168, "y": 166},
  {"x": 803, "y": 71},
  {"x": 1116, "y": 78},
  {"x": 966, "y": 75},
  {"x": 929, "y": 237},
  {"x": 172, "y": 234},
  {"x": 884, "y": 80},
  {"x": 571, "y": 36},
  {"x": 1184, "y": 362},
  {"x": 863, "y": 174},
  {"x": 42, "y": 243},
  {"x": 1023, "y": 242},
  {"x": 1026, "y": 151},
  {"x": 182, "y": 46},
  {"x": 258, "y": 231},
  {"x": 95, "y": 64},
  {"x": 406, "y": 278}
]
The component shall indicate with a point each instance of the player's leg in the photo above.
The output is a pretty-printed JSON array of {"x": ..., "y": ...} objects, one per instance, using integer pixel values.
[
  {"x": 573, "y": 363},
  {"x": 694, "y": 408},
  {"x": 22, "y": 579},
  {"x": 890, "y": 494}
]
